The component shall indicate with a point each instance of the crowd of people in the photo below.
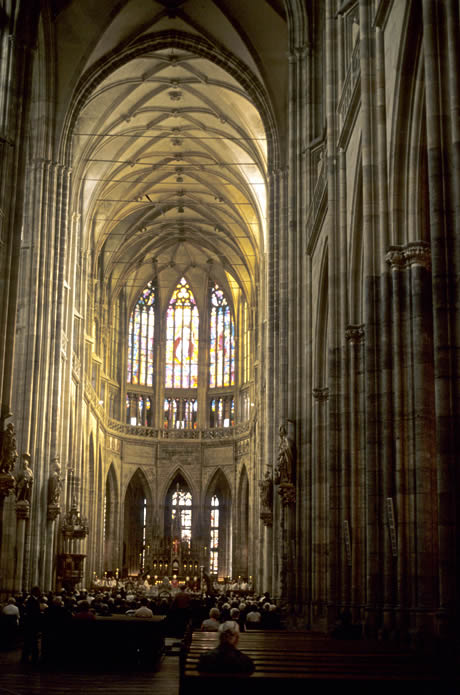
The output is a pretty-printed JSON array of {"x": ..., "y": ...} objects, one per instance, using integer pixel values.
[{"x": 37, "y": 620}]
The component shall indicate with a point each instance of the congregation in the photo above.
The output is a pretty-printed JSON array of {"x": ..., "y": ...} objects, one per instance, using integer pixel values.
[{"x": 38, "y": 620}]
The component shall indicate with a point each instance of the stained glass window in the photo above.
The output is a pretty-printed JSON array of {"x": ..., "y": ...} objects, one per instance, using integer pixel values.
[
  {"x": 221, "y": 341},
  {"x": 222, "y": 412},
  {"x": 138, "y": 410},
  {"x": 214, "y": 540},
  {"x": 140, "y": 345},
  {"x": 181, "y": 515},
  {"x": 246, "y": 344},
  {"x": 180, "y": 413},
  {"x": 182, "y": 339},
  {"x": 144, "y": 533}
]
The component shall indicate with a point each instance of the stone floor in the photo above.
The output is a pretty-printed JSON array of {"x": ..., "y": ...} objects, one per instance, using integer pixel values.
[{"x": 17, "y": 679}]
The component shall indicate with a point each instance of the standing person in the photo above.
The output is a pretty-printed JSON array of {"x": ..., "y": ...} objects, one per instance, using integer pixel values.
[
  {"x": 226, "y": 658},
  {"x": 32, "y": 626}
]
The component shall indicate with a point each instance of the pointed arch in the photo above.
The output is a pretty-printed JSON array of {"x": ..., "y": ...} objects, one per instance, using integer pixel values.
[
  {"x": 182, "y": 337},
  {"x": 321, "y": 344},
  {"x": 111, "y": 504},
  {"x": 356, "y": 250},
  {"x": 221, "y": 339},
  {"x": 218, "y": 525},
  {"x": 141, "y": 333},
  {"x": 179, "y": 495},
  {"x": 242, "y": 568},
  {"x": 137, "y": 522}
]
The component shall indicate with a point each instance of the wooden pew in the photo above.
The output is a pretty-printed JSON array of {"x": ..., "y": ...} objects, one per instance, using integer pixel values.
[
  {"x": 115, "y": 641},
  {"x": 298, "y": 660}
]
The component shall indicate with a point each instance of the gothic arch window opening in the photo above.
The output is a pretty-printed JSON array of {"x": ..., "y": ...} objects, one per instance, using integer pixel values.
[
  {"x": 180, "y": 413},
  {"x": 221, "y": 341},
  {"x": 214, "y": 536},
  {"x": 139, "y": 410},
  {"x": 144, "y": 534},
  {"x": 181, "y": 515},
  {"x": 141, "y": 339},
  {"x": 222, "y": 411},
  {"x": 246, "y": 344},
  {"x": 182, "y": 323}
]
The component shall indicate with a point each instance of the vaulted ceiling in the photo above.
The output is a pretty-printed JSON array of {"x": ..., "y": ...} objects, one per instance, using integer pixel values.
[{"x": 171, "y": 104}]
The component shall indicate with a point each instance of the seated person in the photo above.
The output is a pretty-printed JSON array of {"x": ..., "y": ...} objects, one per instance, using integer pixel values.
[
  {"x": 84, "y": 612},
  {"x": 143, "y": 611},
  {"x": 253, "y": 619},
  {"x": 235, "y": 619},
  {"x": 226, "y": 658},
  {"x": 212, "y": 623}
]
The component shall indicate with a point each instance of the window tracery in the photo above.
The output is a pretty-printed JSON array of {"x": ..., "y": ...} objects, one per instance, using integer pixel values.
[{"x": 182, "y": 322}]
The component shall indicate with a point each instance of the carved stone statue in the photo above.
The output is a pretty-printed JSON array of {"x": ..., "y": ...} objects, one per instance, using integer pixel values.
[
  {"x": 24, "y": 480},
  {"x": 266, "y": 492},
  {"x": 285, "y": 466},
  {"x": 54, "y": 482},
  {"x": 266, "y": 499},
  {"x": 9, "y": 452}
]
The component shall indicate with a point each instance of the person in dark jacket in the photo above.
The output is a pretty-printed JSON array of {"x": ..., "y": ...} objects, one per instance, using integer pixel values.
[
  {"x": 32, "y": 623},
  {"x": 226, "y": 658}
]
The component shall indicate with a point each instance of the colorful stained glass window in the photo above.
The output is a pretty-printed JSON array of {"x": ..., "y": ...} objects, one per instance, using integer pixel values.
[
  {"x": 246, "y": 344},
  {"x": 214, "y": 539},
  {"x": 182, "y": 339},
  {"x": 222, "y": 412},
  {"x": 221, "y": 341},
  {"x": 140, "y": 341},
  {"x": 180, "y": 413},
  {"x": 138, "y": 410},
  {"x": 181, "y": 515}
]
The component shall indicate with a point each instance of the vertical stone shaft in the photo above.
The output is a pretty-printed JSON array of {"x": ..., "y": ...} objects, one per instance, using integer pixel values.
[
  {"x": 387, "y": 358},
  {"x": 374, "y": 509},
  {"x": 425, "y": 472},
  {"x": 15, "y": 70},
  {"x": 345, "y": 459},
  {"x": 333, "y": 318},
  {"x": 444, "y": 245}
]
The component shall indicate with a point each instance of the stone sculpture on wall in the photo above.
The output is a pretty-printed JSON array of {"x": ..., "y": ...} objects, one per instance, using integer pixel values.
[
  {"x": 54, "y": 482},
  {"x": 54, "y": 489},
  {"x": 9, "y": 452},
  {"x": 8, "y": 456},
  {"x": 266, "y": 499},
  {"x": 24, "y": 481},
  {"x": 284, "y": 473}
]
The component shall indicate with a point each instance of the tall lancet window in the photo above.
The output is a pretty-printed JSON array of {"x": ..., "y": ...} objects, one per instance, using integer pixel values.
[
  {"x": 140, "y": 345},
  {"x": 182, "y": 339},
  {"x": 181, "y": 516},
  {"x": 222, "y": 341},
  {"x": 214, "y": 540}
]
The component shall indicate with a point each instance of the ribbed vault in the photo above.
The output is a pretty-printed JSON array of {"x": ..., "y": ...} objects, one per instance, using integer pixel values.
[{"x": 169, "y": 157}]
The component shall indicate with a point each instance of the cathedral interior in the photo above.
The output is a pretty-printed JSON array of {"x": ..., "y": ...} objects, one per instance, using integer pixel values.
[{"x": 229, "y": 284}]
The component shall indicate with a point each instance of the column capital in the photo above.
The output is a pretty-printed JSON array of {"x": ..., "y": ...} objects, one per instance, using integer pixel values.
[
  {"x": 395, "y": 257},
  {"x": 321, "y": 394},
  {"x": 23, "y": 509},
  {"x": 355, "y": 333},
  {"x": 418, "y": 253}
]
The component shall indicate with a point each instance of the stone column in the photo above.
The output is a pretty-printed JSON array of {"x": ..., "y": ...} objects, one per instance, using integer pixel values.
[
  {"x": 418, "y": 259},
  {"x": 22, "y": 515},
  {"x": 355, "y": 337},
  {"x": 319, "y": 509},
  {"x": 370, "y": 303},
  {"x": 333, "y": 326},
  {"x": 402, "y": 498},
  {"x": 445, "y": 282}
]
